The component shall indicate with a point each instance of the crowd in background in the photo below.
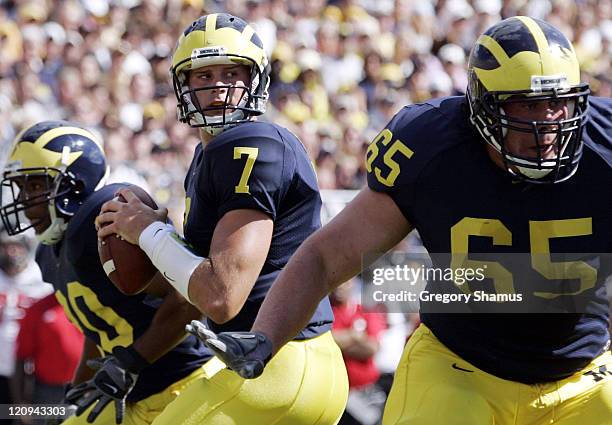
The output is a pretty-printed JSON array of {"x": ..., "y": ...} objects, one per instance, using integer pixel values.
[{"x": 340, "y": 70}]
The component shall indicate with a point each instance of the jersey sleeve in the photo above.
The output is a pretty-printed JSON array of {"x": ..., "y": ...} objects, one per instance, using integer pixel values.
[
  {"x": 398, "y": 154},
  {"x": 599, "y": 127},
  {"x": 249, "y": 173}
]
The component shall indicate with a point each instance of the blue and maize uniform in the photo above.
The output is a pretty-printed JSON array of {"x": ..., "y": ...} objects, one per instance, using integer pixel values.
[
  {"x": 498, "y": 368},
  {"x": 435, "y": 167},
  {"x": 102, "y": 312},
  {"x": 263, "y": 167}
]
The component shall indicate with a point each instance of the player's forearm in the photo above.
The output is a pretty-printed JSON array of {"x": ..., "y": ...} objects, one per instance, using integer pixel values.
[
  {"x": 220, "y": 284},
  {"x": 219, "y": 287},
  {"x": 167, "y": 328},
  {"x": 362, "y": 348},
  {"x": 355, "y": 344}
]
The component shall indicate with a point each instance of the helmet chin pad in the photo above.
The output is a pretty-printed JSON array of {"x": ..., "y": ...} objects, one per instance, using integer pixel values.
[
  {"x": 55, "y": 232},
  {"x": 532, "y": 173}
]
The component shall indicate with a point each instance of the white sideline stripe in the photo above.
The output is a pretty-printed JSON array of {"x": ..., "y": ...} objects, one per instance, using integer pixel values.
[{"x": 109, "y": 267}]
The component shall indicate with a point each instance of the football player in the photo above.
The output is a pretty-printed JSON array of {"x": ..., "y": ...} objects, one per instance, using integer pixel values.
[
  {"x": 138, "y": 349},
  {"x": 252, "y": 199},
  {"x": 521, "y": 164}
]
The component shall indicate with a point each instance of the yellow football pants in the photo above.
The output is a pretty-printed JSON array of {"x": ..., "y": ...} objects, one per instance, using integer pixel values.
[
  {"x": 429, "y": 390},
  {"x": 142, "y": 412},
  {"x": 304, "y": 384}
]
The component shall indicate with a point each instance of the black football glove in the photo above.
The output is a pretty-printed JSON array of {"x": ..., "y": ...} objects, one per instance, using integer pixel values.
[
  {"x": 112, "y": 382},
  {"x": 246, "y": 353}
]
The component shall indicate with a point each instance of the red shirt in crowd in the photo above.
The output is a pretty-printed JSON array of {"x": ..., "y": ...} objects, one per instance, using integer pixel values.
[
  {"x": 346, "y": 316},
  {"x": 48, "y": 339}
]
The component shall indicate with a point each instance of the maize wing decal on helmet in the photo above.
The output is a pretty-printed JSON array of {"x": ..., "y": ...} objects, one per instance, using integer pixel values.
[
  {"x": 214, "y": 39},
  {"x": 526, "y": 59},
  {"x": 67, "y": 158}
]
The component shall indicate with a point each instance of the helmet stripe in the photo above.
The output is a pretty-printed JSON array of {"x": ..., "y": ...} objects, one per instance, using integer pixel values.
[
  {"x": 514, "y": 37},
  {"x": 248, "y": 32},
  {"x": 553, "y": 35},
  {"x": 228, "y": 21},
  {"x": 482, "y": 58},
  {"x": 41, "y": 152},
  {"x": 60, "y": 131},
  {"x": 494, "y": 47},
  {"x": 197, "y": 25},
  {"x": 256, "y": 40},
  {"x": 211, "y": 23},
  {"x": 540, "y": 40}
]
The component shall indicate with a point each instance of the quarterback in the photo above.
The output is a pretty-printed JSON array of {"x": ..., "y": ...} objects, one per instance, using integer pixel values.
[
  {"x": 136, "y": 356},
  {"x": 252, "y": 199},
  {"x": 521, "y": 164}
]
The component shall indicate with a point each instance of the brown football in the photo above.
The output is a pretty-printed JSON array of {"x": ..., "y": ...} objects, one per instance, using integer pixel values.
[{"x": 126, "y": 265}]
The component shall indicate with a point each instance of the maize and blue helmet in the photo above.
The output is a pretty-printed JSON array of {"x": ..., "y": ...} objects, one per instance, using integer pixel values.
[
  {"x": 214, "y": 39},
  {"x": 71, "y": 161},
  {"x": 526, "y": 59}
]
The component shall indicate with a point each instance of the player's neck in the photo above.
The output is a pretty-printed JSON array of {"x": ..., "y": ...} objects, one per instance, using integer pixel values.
[{"x": 205, "y": 137}]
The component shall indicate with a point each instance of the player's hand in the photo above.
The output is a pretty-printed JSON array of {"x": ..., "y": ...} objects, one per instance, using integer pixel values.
[
  {"x": 127, "y": 219},
  {"x": 112, "y": 382},
  {"x": 246, "y": 353}
]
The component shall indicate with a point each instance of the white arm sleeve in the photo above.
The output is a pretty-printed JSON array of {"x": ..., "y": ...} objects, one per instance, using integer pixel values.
[{"x": 170, "y": 254}]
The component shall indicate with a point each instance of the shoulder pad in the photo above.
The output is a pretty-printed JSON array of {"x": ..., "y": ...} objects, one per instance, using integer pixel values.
[
  {"x": 598, "y": 129},
  {"x": 80, "y": 235},
  {"x": 413, "y": 137}
]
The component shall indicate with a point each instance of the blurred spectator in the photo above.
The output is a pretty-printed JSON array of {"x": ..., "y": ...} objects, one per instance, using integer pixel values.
[
  {"x": 20, "y": 285},
  {"x": 341, "y": 65},
  {"x": 340, "y": 70},
  {"x": 357, "y": 333},
  {"x": 48, "y": 352}
]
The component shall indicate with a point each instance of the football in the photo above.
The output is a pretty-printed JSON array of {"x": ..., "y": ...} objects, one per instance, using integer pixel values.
[{"x": 126, "y": 265}]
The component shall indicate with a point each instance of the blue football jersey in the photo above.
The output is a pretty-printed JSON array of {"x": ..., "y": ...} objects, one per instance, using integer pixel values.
[
  {"x": 435, "y": 167},
  {"x": 105, "y": 315},
  {"x": 264, "y": 167}
]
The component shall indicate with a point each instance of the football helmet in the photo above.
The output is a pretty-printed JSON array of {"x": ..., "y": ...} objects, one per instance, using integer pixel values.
[
  {"x": 219, "y": 38},
  {"x": 526, "y": 59},
  {"x": 72, "y": 162}
]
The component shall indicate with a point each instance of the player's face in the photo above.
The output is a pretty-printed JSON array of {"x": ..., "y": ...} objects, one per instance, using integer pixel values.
[
  {"x": 35, "y": 189},
  {"x": 523, "y": 143},
  {"x": 217, "y": 80}
]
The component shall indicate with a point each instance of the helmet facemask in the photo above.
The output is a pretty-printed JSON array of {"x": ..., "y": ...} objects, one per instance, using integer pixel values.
[
  {"x": 59, "y": 186},
  {"x": 523, "y": 59},
  {"x": 252, "y": 99},
  {"x": 493, "y": 123},
  {"x": 54, "y": 167}
]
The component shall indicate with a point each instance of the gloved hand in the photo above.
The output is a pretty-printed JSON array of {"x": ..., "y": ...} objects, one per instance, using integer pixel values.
[
  {"x": 246, "y": 353},
  {"x": 113, "y": 381}
]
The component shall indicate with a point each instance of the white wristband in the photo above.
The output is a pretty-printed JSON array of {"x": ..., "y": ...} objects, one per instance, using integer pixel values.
[{"x": 170, "y": 255}]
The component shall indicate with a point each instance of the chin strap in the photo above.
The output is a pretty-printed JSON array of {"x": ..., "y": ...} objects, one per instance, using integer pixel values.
[{"x": 55, "y": 232}]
